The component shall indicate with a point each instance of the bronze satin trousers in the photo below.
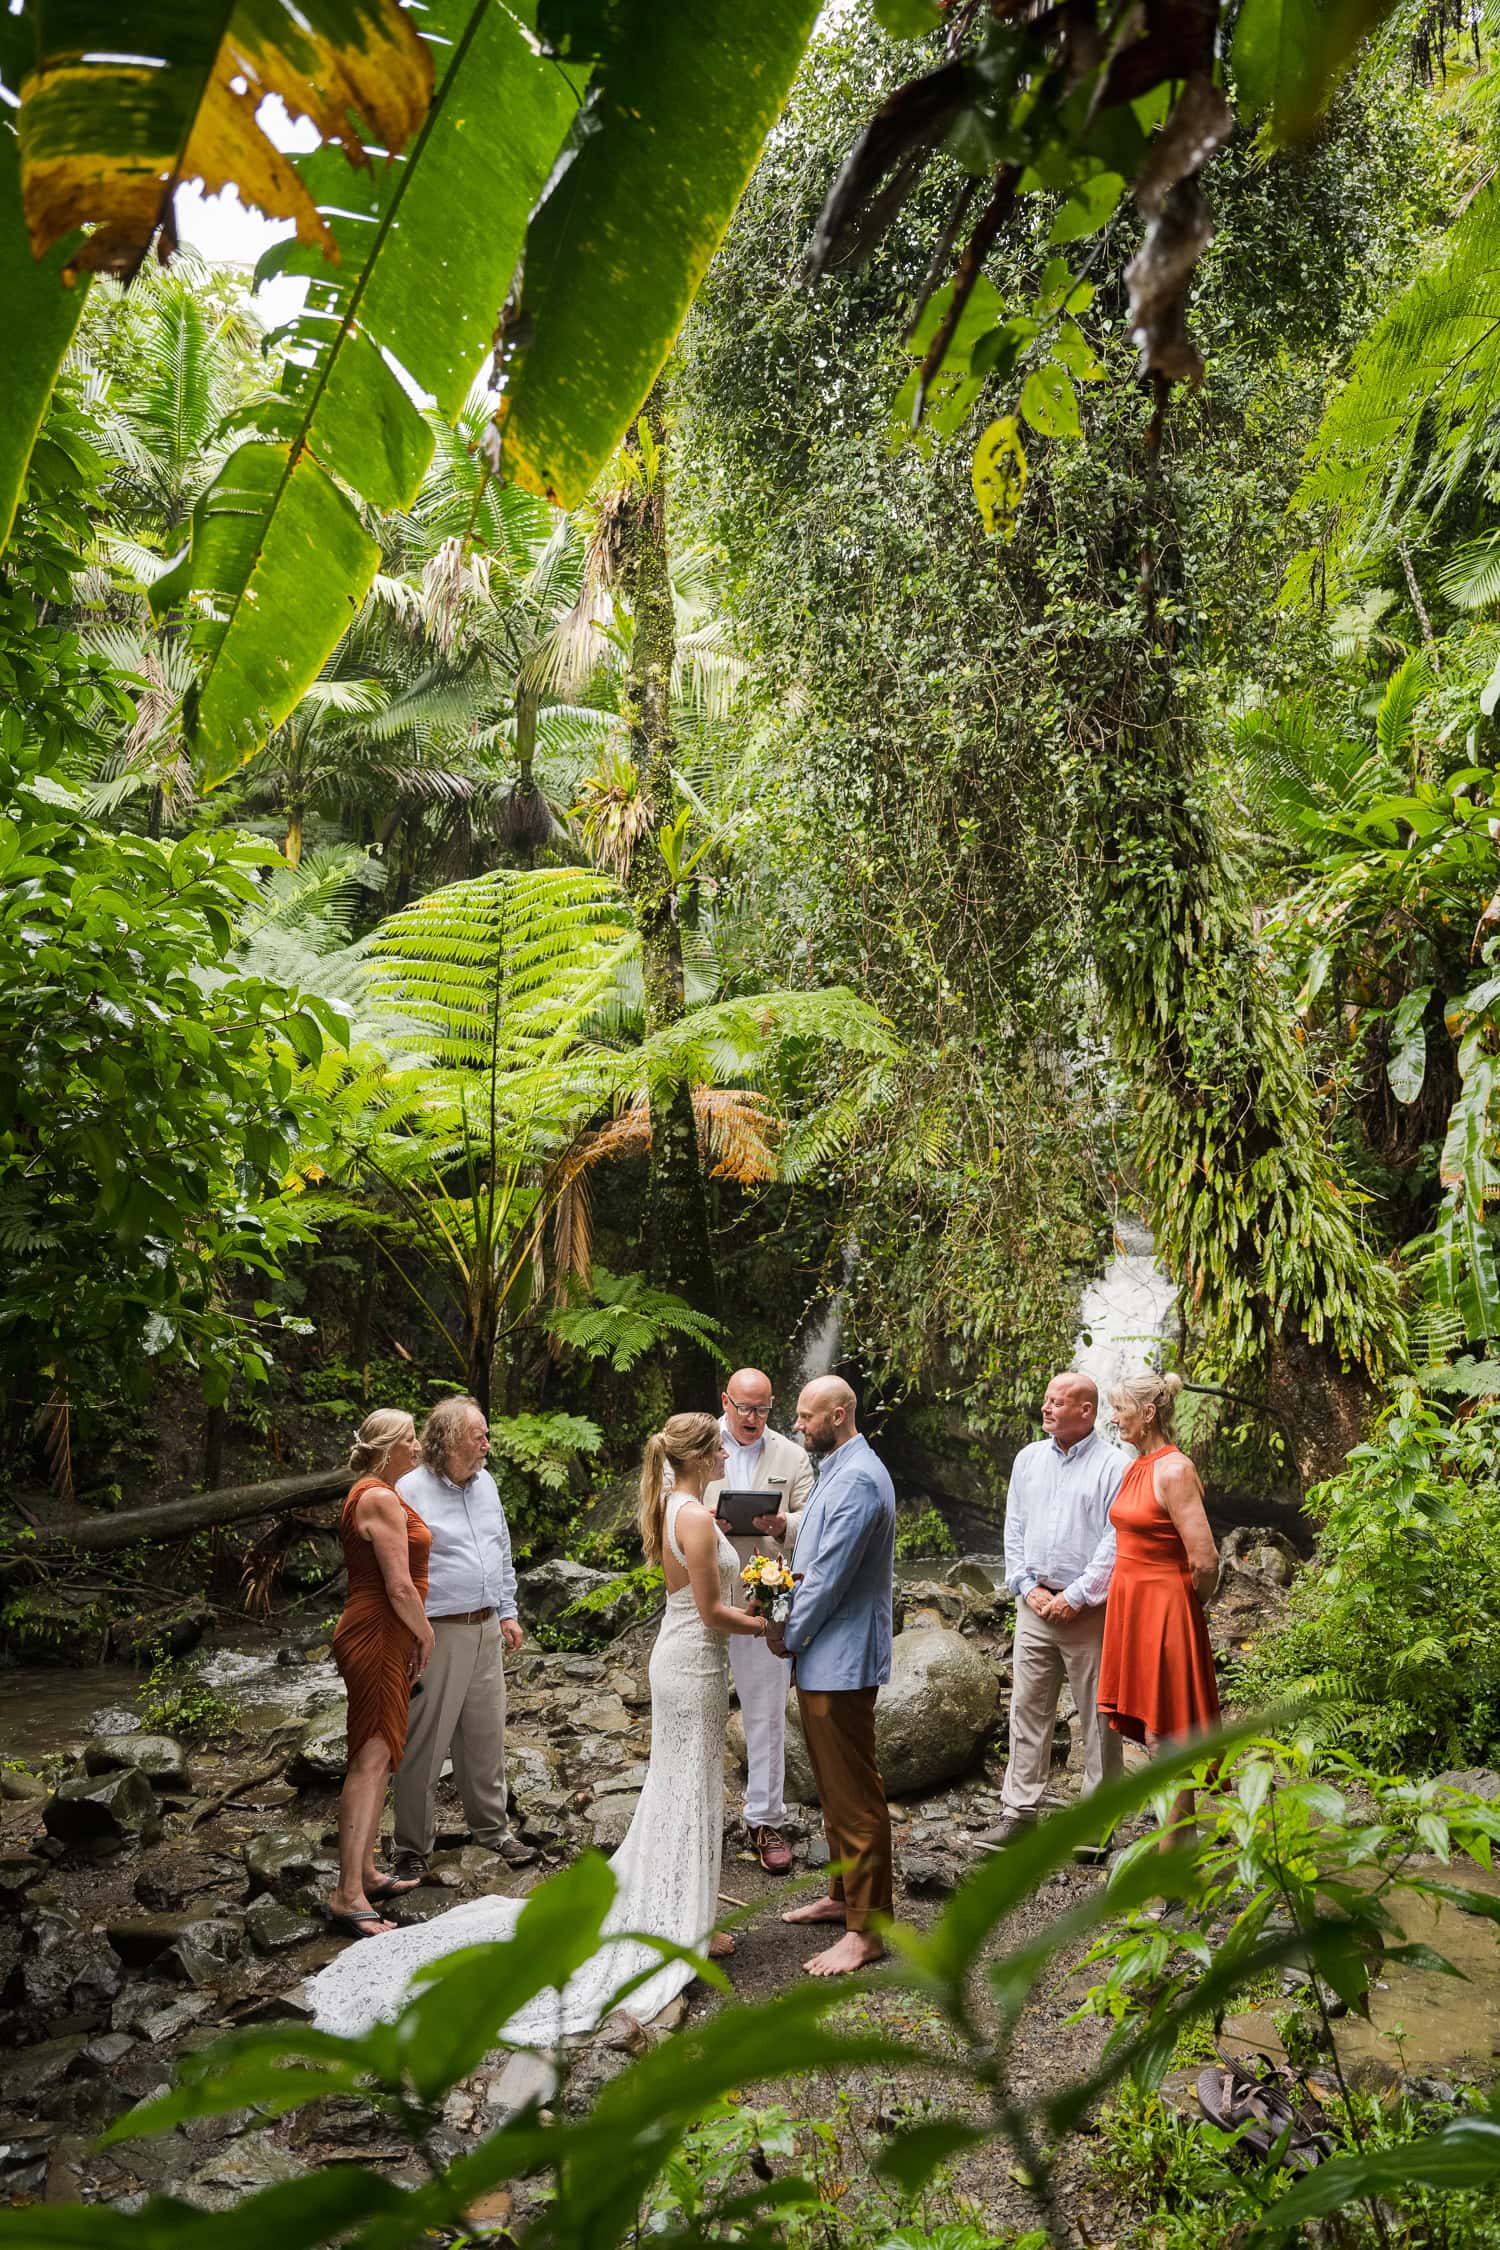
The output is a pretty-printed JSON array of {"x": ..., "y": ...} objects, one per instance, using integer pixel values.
[{"x": 839, "y": 1729}]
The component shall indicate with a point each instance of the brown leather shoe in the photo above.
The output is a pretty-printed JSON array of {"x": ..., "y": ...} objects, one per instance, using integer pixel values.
[{"x": 773, "y": 1850}]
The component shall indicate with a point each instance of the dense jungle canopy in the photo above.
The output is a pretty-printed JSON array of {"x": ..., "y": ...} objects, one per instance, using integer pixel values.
[{"x": 776, "y": 673}]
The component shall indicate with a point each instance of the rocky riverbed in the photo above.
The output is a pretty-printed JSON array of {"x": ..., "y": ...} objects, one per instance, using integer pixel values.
[{"x": 155, "y": 1893}]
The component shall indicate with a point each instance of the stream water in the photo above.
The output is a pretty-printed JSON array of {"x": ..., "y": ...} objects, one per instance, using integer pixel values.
[{"x": 48, "y": 1710}]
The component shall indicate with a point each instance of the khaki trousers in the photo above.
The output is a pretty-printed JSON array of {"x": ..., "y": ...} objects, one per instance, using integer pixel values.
[
  {"x": 839, "y": 1730},
  {"x": 460, "y": 1711},
  {"x": 1043, "y": 1653}
]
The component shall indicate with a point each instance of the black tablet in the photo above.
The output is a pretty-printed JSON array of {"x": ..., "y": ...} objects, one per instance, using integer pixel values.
[{"x": 737, "y": 1511}]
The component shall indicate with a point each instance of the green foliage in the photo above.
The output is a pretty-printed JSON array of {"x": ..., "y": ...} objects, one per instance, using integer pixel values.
[
  {"x": 174, "y": 1699},
  {"x": 628, "y": 1318},
  {"x": 1396, "y": 1623},
  {"x": 922, "y": 1531}
]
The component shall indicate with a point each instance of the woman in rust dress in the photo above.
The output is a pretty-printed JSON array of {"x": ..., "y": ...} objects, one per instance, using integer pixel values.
[
  {"x": 382, "y": 1642},
  {"x": 1156, "y": 1670}
]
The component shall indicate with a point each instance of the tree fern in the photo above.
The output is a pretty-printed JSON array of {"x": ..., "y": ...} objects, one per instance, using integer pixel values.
[{"x": 629, "y": 1318}]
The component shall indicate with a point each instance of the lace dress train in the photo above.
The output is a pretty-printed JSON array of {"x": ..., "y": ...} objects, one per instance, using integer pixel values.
[{"x": 666, "y": 1871}]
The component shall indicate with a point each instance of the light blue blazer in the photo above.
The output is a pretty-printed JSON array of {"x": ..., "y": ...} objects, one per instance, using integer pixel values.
[{"x": 839, "y": 1630}]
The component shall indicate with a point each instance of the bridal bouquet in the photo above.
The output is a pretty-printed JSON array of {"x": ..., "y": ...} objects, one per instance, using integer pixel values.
[{"x": 771, "y": 1587}]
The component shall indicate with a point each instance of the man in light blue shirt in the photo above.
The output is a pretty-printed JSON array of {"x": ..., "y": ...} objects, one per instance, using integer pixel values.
[
  {"x": 1059, "y": 1555},
  {"x": 471, "y": 1606}
]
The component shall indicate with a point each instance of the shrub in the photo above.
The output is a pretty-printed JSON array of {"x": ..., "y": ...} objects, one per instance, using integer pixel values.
[{"x": 1396, "y": 1623}]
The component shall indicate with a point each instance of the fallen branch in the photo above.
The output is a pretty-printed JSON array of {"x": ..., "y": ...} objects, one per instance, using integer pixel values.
[
  {"x": 178, "y": 1519},
  {"x": 242, "y": 1788}
]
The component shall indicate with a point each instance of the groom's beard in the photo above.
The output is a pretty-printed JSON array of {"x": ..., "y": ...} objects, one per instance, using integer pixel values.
[{"x": 817, "y": 1449}]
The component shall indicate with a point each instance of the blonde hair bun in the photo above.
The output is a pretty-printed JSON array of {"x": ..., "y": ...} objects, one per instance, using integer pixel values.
[{"x": 1172, "y": 1385}]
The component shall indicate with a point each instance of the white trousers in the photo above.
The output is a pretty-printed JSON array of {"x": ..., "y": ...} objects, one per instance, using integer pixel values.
[
  {"x": 761, "y": 1681},
  {"x": 1043, "y": 1653}
]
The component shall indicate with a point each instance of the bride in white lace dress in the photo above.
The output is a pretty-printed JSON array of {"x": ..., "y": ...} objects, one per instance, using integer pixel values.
[{"x": 667, "y": 1869}]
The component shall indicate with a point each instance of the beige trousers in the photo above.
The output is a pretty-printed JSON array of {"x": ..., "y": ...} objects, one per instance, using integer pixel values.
[
  {"x": 1044, "y": 1652},
  {"x": 460, "y": 1711}
]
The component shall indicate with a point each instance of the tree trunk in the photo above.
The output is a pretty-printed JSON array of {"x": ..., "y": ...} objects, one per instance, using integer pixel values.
[
  {"x": 179, "y": 1519},
  {"x": 679, "y": 1246}
]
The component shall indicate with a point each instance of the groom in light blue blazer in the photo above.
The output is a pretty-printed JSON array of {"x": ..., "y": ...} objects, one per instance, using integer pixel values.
[{"x": 838, "y": 1636}]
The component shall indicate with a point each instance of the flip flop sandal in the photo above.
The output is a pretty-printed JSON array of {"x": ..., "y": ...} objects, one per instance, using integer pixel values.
[
  {"x": 358, "y": 1925},
  {"x": 394, "y": 1886}
]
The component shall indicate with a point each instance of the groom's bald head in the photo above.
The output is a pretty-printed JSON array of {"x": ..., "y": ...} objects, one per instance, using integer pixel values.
[{"x": 826, "y": 1414}]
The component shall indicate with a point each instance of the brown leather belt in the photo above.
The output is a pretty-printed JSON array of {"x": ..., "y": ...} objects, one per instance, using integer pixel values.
[{"x": 463, "y": 1617}]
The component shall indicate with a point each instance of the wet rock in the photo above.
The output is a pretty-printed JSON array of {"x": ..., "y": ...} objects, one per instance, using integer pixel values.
[
  {"x": 157, "y": 1756},
  {"x": 928, "y": 1878},
  {"x": 973, "y": 1576},
  {"x": 290, "y": 1863},
  {"x": 203, "y": 1951},
  {"x": 19, "y": 1872},
  {"x": 105, "y": 2052},
  {"x": 939, "y": 1709},
  {"x": 254, "y": 2161},
  {"x": 70, "y": 1976},
  {"x": 114, "y": 1718},
  {"x": 104, "y": 1810},
  {"x": 146, "y": 1638},
  {"x": 140, "y": 1939},
  {"x": 26, "y": 2072},
  {"x": 543, "y": 1593},
  {"x": 273, "y": 1928},
  {"x": 1255, "y": 1551},
  {"x": 167, "y": 1882},
  {"x": 18, "y": 1787},
  {"x": 927, "y": 1602},
  {"x": 818, "y": 1854},
  {"x": 324, "y": 1754}
]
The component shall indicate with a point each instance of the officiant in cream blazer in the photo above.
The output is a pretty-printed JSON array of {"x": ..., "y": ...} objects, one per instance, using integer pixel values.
[{"x": 760, "y": 1459}]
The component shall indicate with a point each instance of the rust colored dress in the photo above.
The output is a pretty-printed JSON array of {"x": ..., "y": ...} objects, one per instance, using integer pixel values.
[
  {"x": 371, "y": 1646},
  {"x": 1156, "y": 1669}
]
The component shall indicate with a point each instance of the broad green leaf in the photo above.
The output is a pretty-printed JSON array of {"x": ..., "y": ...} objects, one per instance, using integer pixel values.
[
  {"x": 1049, "y": 401},
  {"x": 908, "y": 19},
  {"x": 430, "y": 250},
  {"x": 1288, "y": 55},
  {"x": 1090, "y": 203},
  {"x": 1465, "y": 2154},
  {"x": 956, "y": 384},
  {"x": 1406, "y": 1065},
  {"x": 126, "y": 97},
  {"x": 1404, "y": 691},
  {"x": 293, "y": 2215},
  {"x": 1076, "y": 353},
  {"x": 999, "y": 475},
  {"x": 615, "y": 254},
  {"x": 911, "y": 2158},
  {"x": 41, "y": 315}
]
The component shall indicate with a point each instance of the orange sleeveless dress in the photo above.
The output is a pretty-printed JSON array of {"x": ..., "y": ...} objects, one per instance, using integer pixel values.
[
  {"x": 371, "y": 1646},
  {"x": 1156, "y": 1668}
]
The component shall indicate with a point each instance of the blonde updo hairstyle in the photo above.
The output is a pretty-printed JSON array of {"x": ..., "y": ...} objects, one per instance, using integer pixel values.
[
  {"x": 373, "y": 1440},
  {"x": 684, "y": 1440},
  {"x": 1153, "y": 1395}
]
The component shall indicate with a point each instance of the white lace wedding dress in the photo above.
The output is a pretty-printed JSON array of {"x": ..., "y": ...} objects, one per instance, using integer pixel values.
[{"x": 666, "y": 1871}]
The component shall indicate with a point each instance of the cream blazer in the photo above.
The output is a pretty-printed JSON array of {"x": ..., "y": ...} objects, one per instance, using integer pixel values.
[{"x": 786, "y": 1470}]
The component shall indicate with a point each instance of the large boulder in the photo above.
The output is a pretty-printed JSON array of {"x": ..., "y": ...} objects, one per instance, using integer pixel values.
[
  {"x": 940, "y": 1708},
  {"x": 543, "y": 1593},
  {"x": 324, "y": 1752},
  {"x": 157, "y": 1756},
  {"x": 589, "y": 1607},
  {"x": 70, "y": 1975},
  {"x": 104, "y": 1811},
  {"x": 291, "y": 1864}
]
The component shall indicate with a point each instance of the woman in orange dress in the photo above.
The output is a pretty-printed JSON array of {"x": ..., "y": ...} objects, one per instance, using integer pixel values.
[
  {"x": 381, "y": 1645},
  {"x": 1156, "y": 1670}
]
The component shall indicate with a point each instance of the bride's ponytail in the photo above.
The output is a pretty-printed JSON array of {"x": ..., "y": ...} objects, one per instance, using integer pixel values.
[{"x": 653, "y": 1495}]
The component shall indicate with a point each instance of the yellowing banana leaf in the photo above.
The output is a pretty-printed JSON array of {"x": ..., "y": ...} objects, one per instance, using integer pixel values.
[
  {"x": 41, "y": 315},
  {"x": 125, "y": 98},
  {"x": 674, "y": 123},
  {"x": 428, "y": 247}
]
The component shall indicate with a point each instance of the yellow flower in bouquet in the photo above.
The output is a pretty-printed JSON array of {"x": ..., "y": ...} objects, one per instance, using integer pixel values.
[{"x": 771, "y": 1586}]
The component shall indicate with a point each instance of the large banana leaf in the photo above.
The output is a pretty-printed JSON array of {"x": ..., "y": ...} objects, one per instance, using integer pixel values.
[
  {"x": 674, "y": 124},
  {"x": 1288, "y": 55},
  {"x": 427, "y": 254},
  {"x": 124, "y": 98},
  {"x": 41, "y": 316}
]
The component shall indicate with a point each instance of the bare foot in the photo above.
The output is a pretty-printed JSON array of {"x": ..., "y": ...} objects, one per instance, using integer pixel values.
[
  {"x": 857, "y": 1949},
  {"x": 720, "y": 1946},
  {"x": 816, "y": 1910}
]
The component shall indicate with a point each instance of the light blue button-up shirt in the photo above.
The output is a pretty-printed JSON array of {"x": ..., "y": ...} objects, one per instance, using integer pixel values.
[
  {"x": 1057, "y": 1528},
  {"x": 470, "y": 1566}
]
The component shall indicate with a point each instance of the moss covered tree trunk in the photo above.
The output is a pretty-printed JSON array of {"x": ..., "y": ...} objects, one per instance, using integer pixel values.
[
  {"x": 679, "y": 1245},
  {"x": 1250, "y": 1208}
]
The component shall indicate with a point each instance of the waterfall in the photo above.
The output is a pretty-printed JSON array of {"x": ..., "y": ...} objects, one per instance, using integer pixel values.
[
  {"x": 822, "y": 1338},
  {"x": 1124, "y": 1315}
]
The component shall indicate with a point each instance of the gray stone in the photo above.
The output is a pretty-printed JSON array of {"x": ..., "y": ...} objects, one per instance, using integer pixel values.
[
  {"x": 140, "y": 1939},
  {"x": 204, "y": 1951},
  {"x": 818, "y": 1854},
  {"x": 601, "y": 1714},
  {"x": 167, "y": 1881},
  {"x": 525, "y": 2079},
  {"x": 109, "y": 1809},
  {"x": 157, "y": 1756},
  {"x": 18, "y": 1787},
  {"x": 26, "y": 2072},
  {"x": 290, "y": 1863},
  {"x": 324, "y": 1753},
  {"x": 610, "y": 1818},
  {"x": 114, "y": 1718},
  {"x": 71, "y": 1975},
  {"x": 1474, "y": 1781},
  {"x": 19, "y": 1872},
  {"x": 274, "y": 1928},
  {"x": 254, "y": 2161},
  {"x": 927, "y": 1878},
  {"x": 105, "y": 2051},
  {"x": 939, "y": 1709},
  {"x": 545, "y": 1591},
  {"x": 530, "y": 1770},
  {"x": 972, "y": 1575}
]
